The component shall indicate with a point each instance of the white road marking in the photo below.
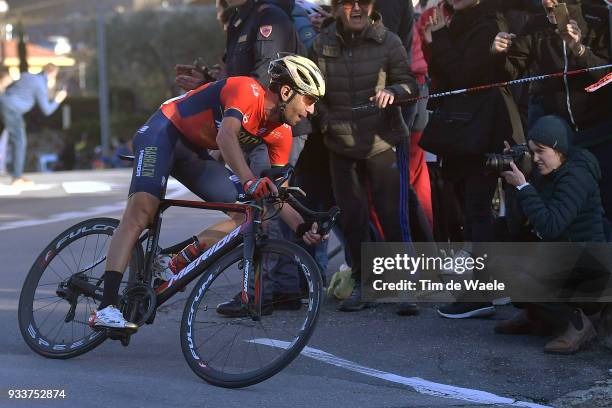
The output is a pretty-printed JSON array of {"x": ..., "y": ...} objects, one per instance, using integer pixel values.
[
  {"x": 82, "y": 187},
  {"x": 178, "y": 190},
  {"x": 418, "y": 384},
  {"x": 8, "y": 190}
]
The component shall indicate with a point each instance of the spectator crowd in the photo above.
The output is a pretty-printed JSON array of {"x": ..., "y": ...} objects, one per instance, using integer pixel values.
[{"x": 416, "y": 170}]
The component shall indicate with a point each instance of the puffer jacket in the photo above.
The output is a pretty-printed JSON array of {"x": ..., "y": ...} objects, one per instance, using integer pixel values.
[
  {"x": 354, "y": 68},
  {"x": 565, "y": 205}
]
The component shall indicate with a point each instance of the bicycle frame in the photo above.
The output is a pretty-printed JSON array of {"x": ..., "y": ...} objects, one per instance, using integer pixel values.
[{"x": 245, "y": 232}]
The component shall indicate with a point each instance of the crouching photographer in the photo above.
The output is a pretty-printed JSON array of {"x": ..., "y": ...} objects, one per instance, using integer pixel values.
[{"x": 560, "y": 203}]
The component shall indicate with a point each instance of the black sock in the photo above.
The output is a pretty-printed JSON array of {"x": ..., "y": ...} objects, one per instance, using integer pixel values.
[{"x": 112, "y": 281}]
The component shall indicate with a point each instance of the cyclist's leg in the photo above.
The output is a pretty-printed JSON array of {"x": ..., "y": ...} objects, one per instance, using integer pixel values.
[
  {"x": 209, "y": 180},
  {"x": 154, "y": 155}
]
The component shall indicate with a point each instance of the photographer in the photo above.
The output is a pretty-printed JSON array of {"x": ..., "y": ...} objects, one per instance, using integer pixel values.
[{"x": 564, "y": 205}]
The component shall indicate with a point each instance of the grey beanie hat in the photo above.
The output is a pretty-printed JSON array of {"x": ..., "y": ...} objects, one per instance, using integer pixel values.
[{"x": 552, "y": 131}]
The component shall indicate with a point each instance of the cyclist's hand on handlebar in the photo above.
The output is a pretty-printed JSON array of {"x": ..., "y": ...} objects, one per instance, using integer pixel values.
[
  {"x": 260, "y": 187},
  {"x": 311, "y": 236}
]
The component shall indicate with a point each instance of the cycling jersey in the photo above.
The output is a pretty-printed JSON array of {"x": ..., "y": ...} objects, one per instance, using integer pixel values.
[{"x": 198, "y": 114}]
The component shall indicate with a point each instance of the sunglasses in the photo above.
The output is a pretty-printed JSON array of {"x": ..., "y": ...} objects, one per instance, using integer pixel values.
[
  {"x": 351, "y": 3},
  {"x": 309, "y": 100}
]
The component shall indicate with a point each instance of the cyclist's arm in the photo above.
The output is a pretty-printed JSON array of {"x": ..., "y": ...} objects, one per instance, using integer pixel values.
[{"x": 227, "y": 140}]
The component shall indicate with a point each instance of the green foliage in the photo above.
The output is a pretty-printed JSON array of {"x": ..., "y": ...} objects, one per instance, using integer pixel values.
[{"x": 144, "y": 47}]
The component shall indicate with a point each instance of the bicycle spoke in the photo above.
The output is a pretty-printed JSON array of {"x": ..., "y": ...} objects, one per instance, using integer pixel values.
[
  {"x": 50, "y": 313},
  {"x": 82, "y": 252},
  {"x": 58, "y": 300},
  {"x": 230, "y": 350},
  {"x": 69, "y": 246},
  {"x": 58, "y": 275}
]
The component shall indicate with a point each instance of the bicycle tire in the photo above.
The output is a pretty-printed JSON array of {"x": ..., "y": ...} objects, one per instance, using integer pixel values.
[
  {"x": 219, "y": 378},
  {"x": 28, "y": 325}
]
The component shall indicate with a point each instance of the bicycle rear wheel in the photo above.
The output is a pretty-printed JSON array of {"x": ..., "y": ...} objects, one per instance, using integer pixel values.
[
  {"x": 238, "y": 352},
  {"x": 53, "y": 310}
]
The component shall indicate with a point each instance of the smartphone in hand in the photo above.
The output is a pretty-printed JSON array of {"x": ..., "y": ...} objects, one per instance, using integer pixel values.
[{"x": 561, "y": 16}]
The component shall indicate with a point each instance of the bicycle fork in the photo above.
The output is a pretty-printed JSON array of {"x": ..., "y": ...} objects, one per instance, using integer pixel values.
[{"x": 251, "y": 295}]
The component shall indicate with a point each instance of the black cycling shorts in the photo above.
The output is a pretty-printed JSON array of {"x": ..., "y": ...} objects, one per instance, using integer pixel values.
[{"x": 160, "y": 151}]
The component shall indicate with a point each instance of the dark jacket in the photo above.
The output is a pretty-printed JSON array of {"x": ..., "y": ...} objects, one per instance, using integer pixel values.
[
  {"x": 256, "y": 33},
  {"x": 540, "y": 49},
  {"x": 460, "y": 58},
  {"x": 565, "y": 205},
  {"x": 354, "y": 68},
  {"x": 398, "y": 17}
]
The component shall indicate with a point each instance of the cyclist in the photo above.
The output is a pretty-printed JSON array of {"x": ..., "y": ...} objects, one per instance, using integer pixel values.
[{"x": 220, "y": 115}]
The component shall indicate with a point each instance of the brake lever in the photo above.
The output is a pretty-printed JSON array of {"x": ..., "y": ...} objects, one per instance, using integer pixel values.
[
  {"x": 296, "y": 190},
  {"x": 326, "y": 226}
]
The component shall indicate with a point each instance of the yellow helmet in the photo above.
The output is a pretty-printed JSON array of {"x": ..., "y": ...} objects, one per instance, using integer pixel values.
[{"x": 298, "y": 72}]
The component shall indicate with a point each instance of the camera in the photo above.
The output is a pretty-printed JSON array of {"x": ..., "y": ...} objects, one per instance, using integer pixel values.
[{"x": 519, "y": 154}]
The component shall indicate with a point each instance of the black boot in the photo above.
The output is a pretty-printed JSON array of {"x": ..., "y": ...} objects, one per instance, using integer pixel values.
[{"x": 235, "y": 308}]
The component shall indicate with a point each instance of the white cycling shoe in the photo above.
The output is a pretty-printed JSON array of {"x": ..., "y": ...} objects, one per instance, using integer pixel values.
[{"x": 111, "y": 318}]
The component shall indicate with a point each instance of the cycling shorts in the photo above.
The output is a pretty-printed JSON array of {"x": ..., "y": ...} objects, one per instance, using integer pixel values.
[{"x": 160, "y": 150}]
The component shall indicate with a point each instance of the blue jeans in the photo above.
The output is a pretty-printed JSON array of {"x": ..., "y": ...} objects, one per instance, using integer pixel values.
[{"x": 15, "y": 125}]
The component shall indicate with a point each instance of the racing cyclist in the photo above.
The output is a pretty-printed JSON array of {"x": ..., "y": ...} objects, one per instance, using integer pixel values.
[{"x": 220, "y": 115}]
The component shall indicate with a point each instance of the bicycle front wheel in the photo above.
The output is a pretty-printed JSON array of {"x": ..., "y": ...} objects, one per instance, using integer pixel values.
[{"x": 239, "y": 351}]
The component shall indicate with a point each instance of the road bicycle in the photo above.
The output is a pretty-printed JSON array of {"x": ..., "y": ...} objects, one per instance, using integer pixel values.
[{"x": 65, "y": 285}]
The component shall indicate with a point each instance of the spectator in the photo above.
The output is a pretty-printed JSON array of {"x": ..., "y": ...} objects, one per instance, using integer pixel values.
[
  {"x": 585, "y": 42},
  {"x": 398, "y": 17},
  {"x": 20, "y": 98},
  {"x": 303, "y": 26},
  {"x": 5, "y": 81},
  {"x": 419, "y": 173},
  {"x": 362, "y": 60},
  {"x": 564, "y": 206},
  {"x": 460, "y": 58}
]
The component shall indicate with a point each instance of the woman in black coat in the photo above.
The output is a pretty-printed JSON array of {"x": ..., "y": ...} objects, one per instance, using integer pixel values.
[
  {"x": 564, "y": 206},
  {"x": 461, "y": 58}
]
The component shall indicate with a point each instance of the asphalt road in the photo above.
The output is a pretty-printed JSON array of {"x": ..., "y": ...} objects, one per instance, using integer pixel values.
[{"x": 372, "y": 358}]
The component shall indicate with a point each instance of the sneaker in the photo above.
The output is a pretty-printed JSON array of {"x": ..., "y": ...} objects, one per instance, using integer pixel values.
[
  {"x": 21, "y": 182},
  {"x": 111, "y": 318},
  {"x": 464, "y": 310}
]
